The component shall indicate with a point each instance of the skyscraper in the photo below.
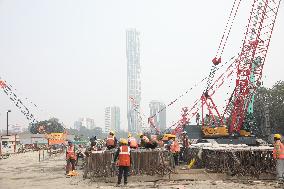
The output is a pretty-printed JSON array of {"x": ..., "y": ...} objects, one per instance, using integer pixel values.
[
  {"x": 133, "y": 80},
  {"x": 160, "y": 118},
  {"x": 112, "y": 119},
  {"x": 87, "y": 122},
  {"x": 77, "y": 125}
]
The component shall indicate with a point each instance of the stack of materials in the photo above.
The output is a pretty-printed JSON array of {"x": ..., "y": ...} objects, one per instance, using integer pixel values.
[
  {"x": 240, "y": 160},
  {"x": 149, "y": 162}
]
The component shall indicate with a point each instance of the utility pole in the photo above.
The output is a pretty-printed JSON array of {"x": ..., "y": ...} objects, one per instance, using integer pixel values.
[{"x": 8, "y": 121}]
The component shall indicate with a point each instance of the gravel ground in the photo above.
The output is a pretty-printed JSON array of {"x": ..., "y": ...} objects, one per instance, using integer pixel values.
[{"x": 24, "y": 171}]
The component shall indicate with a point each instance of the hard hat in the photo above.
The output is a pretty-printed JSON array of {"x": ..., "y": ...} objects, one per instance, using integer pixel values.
[
  {"x": 129, "y": 135},
  {"x": 111, "y": 133},
  {"x": 277, "y": 136},
  {"x": 123, "y": 141},
  {"x": 140, "y": 134},
  {"x": 184, "y": 132}
]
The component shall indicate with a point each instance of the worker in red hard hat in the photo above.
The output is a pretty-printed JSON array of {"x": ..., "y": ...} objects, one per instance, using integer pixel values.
[
  {"x": 71, "y": 159},
  {"x": 278, "y": 154},
  {"x": 111, "y": 141},
  {"x": 132, "y": 142},
  {"x": 175, "y": 150}
]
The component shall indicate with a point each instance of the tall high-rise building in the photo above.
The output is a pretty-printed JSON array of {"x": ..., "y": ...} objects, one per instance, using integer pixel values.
[
  {"x": 133, "y": 80},
  {"x": 160, "y": 118},
  {"x": 87, "y": 122},
  {"x": 77, "y": 125},
  {"x": 112, "y": 119}
]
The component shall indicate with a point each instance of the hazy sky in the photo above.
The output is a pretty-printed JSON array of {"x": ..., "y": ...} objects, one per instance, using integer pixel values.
[{"x": 69, "y": 56}]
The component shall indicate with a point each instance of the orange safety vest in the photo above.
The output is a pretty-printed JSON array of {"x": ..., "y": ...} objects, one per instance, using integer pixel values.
[
  {"x": 278, "y": 151},
  {"x": 110, "y": 140},
  {"x": 71, "y": 152},
  {"x": 146, "y": 139},
  {"x": 124, "y": 156},
  {"x": 132, "y": 142},
  {"x": 175, "y": 147}
]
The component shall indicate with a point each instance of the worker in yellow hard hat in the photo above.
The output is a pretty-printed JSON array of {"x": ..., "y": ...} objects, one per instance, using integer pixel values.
[
  {"x": 278, "y": 154},
  {"x": 144, "y": 140},
  {"x": 123, "y": 156},
  {"x": 123, "y": 141},
  {"x": 277, "y": 136},
  {"x": 111, "y": 141}
]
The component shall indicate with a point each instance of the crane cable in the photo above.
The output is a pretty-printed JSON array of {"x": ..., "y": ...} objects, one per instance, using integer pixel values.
[
  {"x": 217, "y": 59},
  {"x": 186, "y": 92},
  {"x": 196, "y": 102},
  {"x": 228, "y": 28}
]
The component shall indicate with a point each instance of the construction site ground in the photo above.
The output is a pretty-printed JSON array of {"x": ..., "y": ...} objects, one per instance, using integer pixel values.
[{"x": 24, "y": 171}]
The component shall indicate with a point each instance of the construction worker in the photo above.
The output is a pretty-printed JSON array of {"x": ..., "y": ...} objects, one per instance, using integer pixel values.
[
  {"x": 160, "y": 143},
  {"x": 144, "y": 141},
  {"x": 132, "y": 142},
  {"x": 80, "y": 153},
  {"x": 185, "y": 146},
  {"x": 123, "y": 155},
  {"x": 111, "y": 141},
  {"x": 278, "y": 154},
  {"x": 175, "y": 150},
  {"x": 71, "y": 159}
]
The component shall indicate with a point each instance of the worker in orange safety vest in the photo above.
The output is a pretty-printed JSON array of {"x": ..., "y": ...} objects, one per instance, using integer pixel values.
[
  {"x": 132, "y": 142},
  {"x": 71, "y": 159},
  {"x": 175, "y": 150},
  {"x": 185, "y": 147},
  {"x": 124, "y": 161},
  {"x": 278, "y": 155},
  {"x": 111, "y": 141}
]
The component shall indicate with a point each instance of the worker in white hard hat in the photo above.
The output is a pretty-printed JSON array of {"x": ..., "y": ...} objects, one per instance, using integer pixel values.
[
  {"x": 278, "y": 154},
  {"x": 185, "y": 146}
]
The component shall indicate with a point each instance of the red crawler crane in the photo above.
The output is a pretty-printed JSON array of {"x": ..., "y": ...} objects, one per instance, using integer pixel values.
[{"x": 248, "y": 67}]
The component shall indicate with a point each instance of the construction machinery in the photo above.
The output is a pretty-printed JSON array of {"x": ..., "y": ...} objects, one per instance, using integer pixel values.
[
  {"x": 236, "y": 118},
  {"x": 248, "y": 66},
  {"x": 167, "y": 137}
]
